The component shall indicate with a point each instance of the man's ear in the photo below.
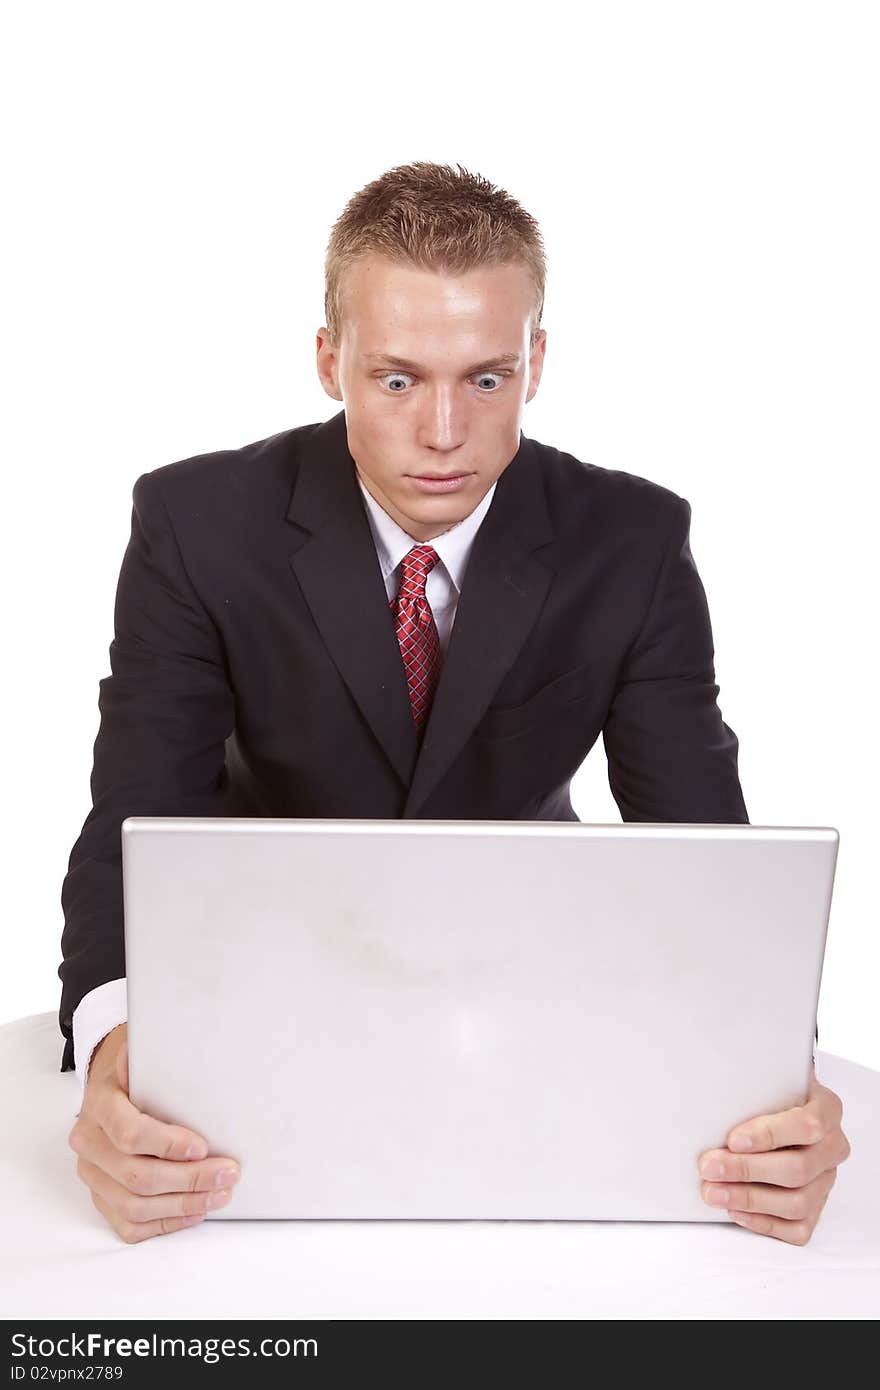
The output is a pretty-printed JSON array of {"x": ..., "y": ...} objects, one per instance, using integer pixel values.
[
  {"x": 327, "y": 364},
  {"x": 536, "y": 363}
]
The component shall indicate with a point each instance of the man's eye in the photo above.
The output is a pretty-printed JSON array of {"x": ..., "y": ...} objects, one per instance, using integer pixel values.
[{"x": 403, "y": 377}]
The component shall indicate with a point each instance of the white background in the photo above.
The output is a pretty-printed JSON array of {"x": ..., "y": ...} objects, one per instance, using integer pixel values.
[{"x": 705, "y": 176}]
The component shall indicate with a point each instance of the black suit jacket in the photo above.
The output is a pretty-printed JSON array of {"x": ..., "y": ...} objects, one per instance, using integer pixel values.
[{"x": 256, "y": 670}]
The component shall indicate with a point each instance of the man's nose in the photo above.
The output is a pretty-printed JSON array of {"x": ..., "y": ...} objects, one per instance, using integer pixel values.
[{"x": 443, "y": 421}]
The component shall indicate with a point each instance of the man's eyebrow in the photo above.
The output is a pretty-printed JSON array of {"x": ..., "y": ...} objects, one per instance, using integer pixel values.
[{"x": 504, "y": 359}]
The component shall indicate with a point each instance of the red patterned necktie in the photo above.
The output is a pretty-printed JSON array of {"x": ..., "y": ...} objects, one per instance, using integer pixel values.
[{"x": 416, "y": 630}]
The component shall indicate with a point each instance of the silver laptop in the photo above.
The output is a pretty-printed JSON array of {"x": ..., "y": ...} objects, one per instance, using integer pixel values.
[{"x": 470, "y": 1020}]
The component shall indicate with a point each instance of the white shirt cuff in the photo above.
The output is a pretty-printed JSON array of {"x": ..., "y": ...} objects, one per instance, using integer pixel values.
[{"x": 98, "y": 1012}]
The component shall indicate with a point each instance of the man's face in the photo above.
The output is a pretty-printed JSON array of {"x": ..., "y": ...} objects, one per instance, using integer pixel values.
[{"x": 434, "y": 371}]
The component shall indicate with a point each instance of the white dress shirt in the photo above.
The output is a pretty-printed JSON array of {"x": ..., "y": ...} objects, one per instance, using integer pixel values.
[{"x": 106, "y": 1006}]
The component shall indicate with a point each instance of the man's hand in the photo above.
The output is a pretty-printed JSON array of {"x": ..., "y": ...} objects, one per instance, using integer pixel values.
[
  {"x": 777, "y": 1170},
  {"x": 146, "y": 1177}
]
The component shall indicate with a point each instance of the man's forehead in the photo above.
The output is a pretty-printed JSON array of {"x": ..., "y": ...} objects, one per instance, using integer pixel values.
[{"x": 371, "y": 283}]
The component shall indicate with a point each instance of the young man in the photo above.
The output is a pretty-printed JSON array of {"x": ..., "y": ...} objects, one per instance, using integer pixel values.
[{"x": 284, "y": 646}]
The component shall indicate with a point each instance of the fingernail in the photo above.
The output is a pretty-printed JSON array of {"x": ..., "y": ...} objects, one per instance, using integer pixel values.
[
  {"x": 192, "y": 1220},
  {"x": 217, "y": 1199},
  {"x": 195, "y": 1151},
  {"x": 226, "y": 1177},
  {"x": 713, "y": 1168},
  {"x": 739, "y": 1143},
  {"x": 718, "y": 1196}
]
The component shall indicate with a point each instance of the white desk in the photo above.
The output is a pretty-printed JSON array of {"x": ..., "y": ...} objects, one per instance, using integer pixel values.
[{"x": 61, "y": 1260}]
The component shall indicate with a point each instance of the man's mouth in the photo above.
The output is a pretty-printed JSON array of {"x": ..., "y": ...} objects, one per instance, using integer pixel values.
[{"x": 438, "y": 482}]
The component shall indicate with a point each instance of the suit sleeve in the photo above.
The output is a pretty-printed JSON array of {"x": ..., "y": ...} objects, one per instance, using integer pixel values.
[
  {"x": 166, "y": 711},
  {"x": 670, "y": 755}
]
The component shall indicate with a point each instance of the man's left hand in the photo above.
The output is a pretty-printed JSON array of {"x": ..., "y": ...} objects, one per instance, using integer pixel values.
[{"x": 777, "y": 1170}]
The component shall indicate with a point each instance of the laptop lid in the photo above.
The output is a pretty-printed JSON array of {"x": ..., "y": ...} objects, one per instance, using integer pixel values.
[{"x": 470, "y": 1020}]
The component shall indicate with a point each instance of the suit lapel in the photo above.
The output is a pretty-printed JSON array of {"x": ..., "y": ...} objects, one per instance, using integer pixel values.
[
  {"x": 338, "y": 571},
  {"x": 503, "y": 591},
  {"x": 502, "y": 594}
]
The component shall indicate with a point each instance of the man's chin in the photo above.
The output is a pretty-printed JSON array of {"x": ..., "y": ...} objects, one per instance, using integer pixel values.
[{"x": 434, "y": 516}]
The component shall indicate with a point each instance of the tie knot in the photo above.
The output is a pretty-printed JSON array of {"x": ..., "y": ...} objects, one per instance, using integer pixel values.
[{"x": 417, "y": 565}]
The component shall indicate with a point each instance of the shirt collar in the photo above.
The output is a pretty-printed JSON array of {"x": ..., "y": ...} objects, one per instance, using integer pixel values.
[{"x": 453, "y": 547}]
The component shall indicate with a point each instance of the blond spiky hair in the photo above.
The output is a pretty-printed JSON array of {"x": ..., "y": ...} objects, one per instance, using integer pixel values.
[{"x": 430, "y": 216}]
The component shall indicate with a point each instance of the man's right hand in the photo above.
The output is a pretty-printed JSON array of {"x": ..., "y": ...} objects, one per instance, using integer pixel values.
[{"x": 146, "y": 1177}]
